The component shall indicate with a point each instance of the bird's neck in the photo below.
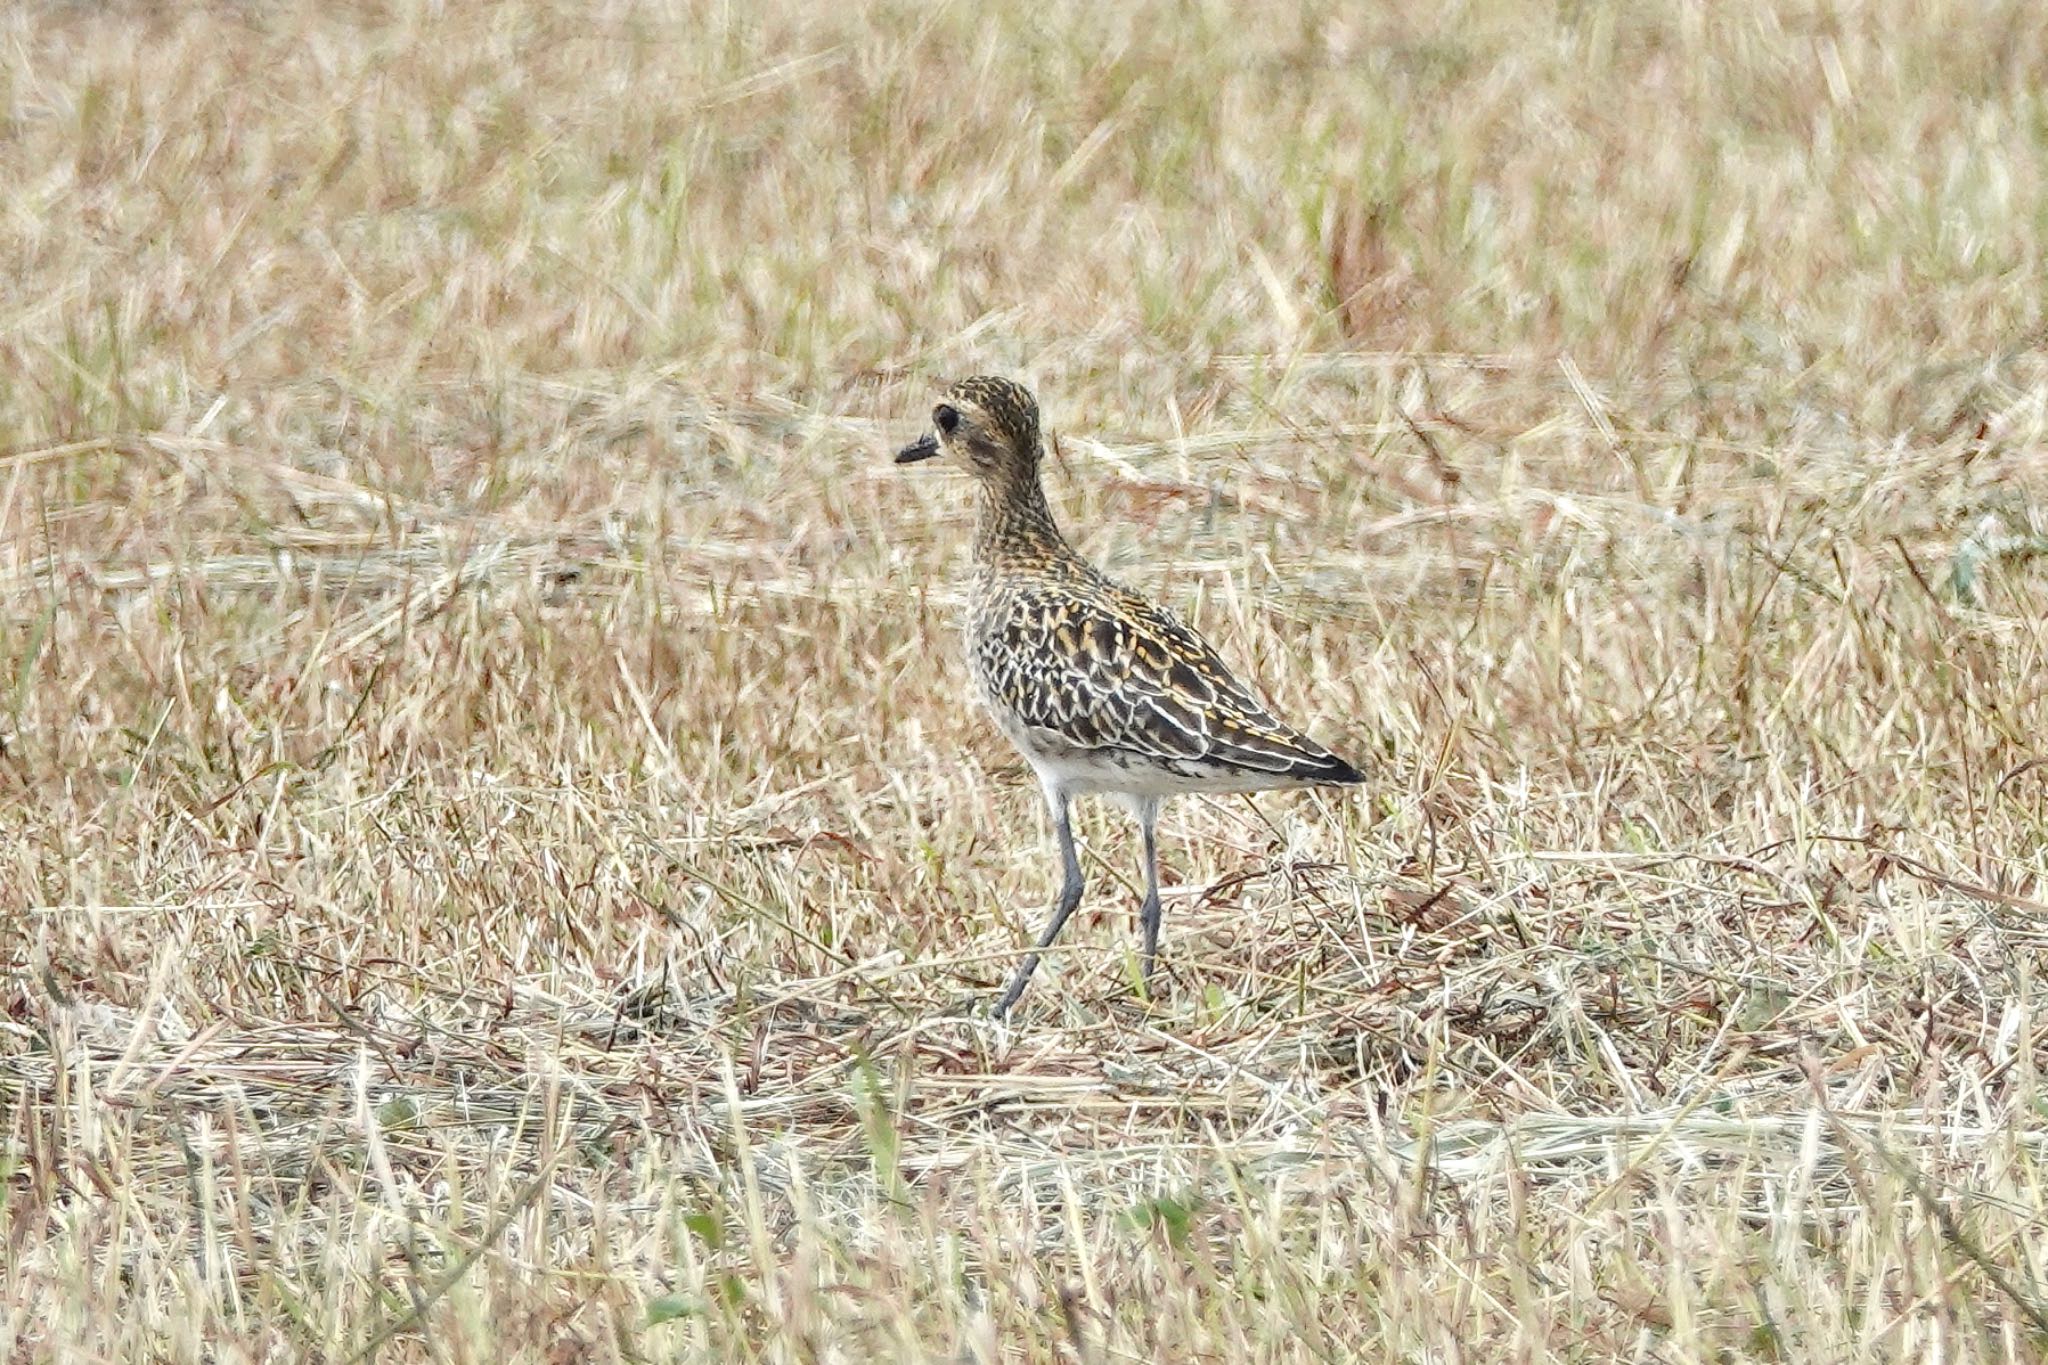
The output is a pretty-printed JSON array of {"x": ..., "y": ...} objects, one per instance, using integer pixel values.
[{"x": 1014, "y": 522}]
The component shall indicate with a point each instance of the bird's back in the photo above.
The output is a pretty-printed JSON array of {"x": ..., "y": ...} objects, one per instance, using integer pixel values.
[{"x": 1104, "y": 691}]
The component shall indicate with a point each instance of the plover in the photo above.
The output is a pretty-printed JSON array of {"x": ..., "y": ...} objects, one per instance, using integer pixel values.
[{"x": 1103, "y": 692}]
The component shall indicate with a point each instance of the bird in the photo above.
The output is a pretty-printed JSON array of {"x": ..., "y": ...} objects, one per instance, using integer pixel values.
[{"x": 1103, "y": 692}]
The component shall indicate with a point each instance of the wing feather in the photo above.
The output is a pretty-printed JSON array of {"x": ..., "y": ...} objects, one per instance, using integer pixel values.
[{"x": 1110, "y": 673}]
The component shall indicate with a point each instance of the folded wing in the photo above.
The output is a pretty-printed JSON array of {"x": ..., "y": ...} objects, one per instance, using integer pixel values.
[{"x": 1110, "y": 673}]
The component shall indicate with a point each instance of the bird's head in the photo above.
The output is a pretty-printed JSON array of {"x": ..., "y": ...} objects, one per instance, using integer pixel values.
[{"x": 987, "y": 423}]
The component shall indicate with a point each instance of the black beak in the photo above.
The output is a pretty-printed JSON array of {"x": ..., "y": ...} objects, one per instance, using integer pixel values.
[{"x": 923, "y": 448}]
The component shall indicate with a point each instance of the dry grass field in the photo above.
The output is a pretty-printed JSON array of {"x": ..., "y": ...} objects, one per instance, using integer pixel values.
[{"x": 495, "y": 860}]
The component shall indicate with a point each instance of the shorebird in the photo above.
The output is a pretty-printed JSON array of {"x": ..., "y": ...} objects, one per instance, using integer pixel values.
[{"x": 1103, "y": 692}]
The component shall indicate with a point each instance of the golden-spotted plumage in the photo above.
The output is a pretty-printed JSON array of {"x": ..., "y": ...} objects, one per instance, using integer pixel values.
[
  {"x": 1102, "y": 692},
  {"x": 1087, "y": 669}
]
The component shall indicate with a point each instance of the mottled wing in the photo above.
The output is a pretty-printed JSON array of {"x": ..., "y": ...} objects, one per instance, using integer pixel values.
[{"x": 1107, "y": 672}]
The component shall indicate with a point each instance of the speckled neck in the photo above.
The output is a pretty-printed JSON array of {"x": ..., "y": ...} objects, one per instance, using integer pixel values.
[{"x": 1014, "y": 522}]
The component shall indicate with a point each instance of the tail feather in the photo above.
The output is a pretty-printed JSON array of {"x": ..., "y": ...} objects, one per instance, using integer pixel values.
[
  {"x": 1333, "y": 770},
  {"x": 1295, "y": 759}
]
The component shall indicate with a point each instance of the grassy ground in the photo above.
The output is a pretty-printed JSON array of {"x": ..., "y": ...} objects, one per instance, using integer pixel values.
[{"x": 494, "y": 859}]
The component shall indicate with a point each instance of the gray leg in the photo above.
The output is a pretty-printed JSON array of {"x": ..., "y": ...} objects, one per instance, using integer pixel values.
[
  {"x": 1148, "y": 914},
  {"x": 1070, "y": 896}
]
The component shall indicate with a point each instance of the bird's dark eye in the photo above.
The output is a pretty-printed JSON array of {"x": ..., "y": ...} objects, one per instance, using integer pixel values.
[{"x": 945, "y": 418}]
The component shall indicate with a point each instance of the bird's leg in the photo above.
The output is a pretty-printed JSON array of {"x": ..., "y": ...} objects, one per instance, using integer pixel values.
[
  {"x": 1148, "y": 914},
  {"x": 1070, "y": 896}
]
